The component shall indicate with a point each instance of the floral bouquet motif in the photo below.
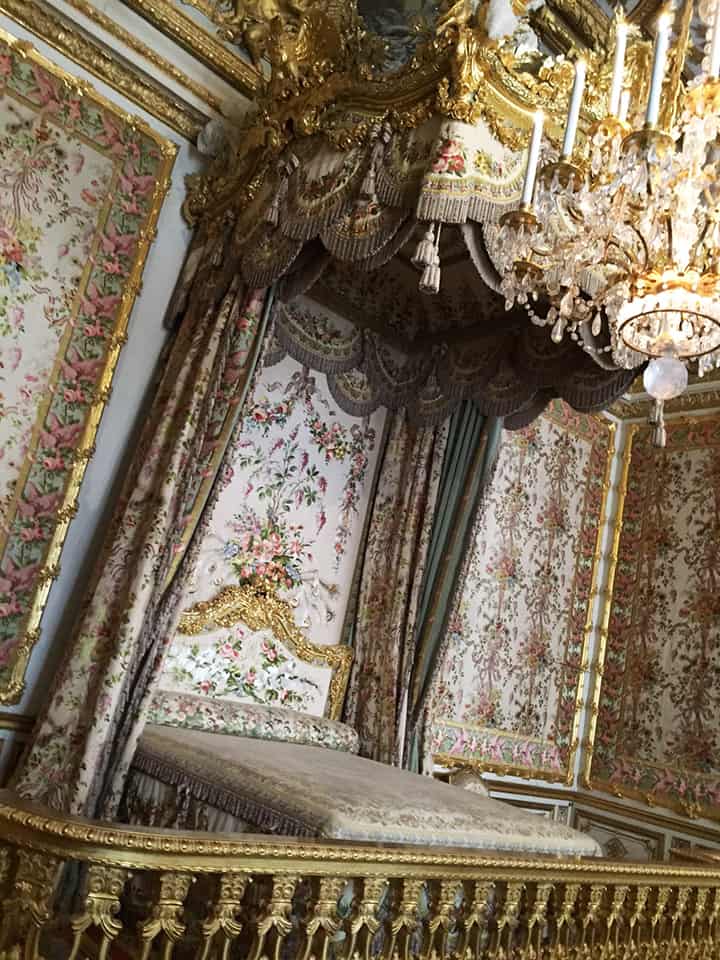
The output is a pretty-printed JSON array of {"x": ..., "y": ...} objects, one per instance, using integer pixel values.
[
  {"x": 243, "y": 664},
  {"x": 264, "y": 551}
]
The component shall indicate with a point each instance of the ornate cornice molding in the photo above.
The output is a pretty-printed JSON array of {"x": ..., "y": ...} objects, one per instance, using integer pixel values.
[
  {"x": 70, "y": 40},
  {"x": 87, "y": 9},
  {"x": 208, "y": 49}
]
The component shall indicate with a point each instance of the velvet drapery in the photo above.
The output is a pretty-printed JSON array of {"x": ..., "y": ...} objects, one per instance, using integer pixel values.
[{"x": 85, "y": 739}]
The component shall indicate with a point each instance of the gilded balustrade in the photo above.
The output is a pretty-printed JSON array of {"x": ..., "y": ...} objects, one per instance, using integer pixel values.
[{"x": 150, "y": 893}]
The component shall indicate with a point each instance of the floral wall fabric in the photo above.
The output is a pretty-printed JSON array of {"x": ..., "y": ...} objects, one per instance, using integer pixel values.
[
  {"x": 658, "y": 726},
  {"x": 80, "y": 190},
  {"x": 296, "y": 484},
  {"x": 507, "y": 686}
]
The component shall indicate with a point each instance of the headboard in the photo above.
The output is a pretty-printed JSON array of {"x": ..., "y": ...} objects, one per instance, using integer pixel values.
[{"x": 244, "y": 645}]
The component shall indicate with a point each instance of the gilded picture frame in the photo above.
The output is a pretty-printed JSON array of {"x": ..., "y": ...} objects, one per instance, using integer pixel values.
[{"x": 109, "y": 174}]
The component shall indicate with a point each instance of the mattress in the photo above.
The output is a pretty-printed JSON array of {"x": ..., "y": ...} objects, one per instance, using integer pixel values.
[{"x": 298, "y": 790}]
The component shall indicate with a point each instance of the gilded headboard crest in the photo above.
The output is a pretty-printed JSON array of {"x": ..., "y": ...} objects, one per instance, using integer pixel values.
[{"x": 262, "y": 609}]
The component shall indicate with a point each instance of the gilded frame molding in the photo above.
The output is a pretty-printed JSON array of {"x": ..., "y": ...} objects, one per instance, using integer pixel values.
[
  {"x": 596, "y": 667},
  {"x": 586, "y": 666},
  {"x": 71, "y": 41},
  {"x": 265, "y": 610},
  {"x": 29, "y": 634},
  {"x": 207, "y": 48}
]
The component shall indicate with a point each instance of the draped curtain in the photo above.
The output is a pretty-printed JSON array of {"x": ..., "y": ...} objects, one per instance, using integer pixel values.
[
  {"x": 390, "y": 579},
  {"x": 86, "y": 737},
  {"x": 429, "y": 482},
  {"x": 473, "y": 442}
]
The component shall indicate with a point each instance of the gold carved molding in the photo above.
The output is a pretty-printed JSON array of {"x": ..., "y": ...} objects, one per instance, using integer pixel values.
[
  {"x": 207, "y": 48},
  {"x": 67, "y": 38},
  {"x": 264, "y": 610},
  {"x": 596, "y": 668},
  {"x": 89, "y": 10},
  {"x": 23, "y": 822}
]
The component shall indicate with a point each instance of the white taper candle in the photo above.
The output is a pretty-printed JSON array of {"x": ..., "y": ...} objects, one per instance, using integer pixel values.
[
  {"x": 624, "y": 105},
  {"x": 533, "y": 158},
  {"x": 621, "y": 31},
  {"x": 574, "y": 111},
  {"x": 662, "y": 41},
  {"x": 714, "y": 68}
]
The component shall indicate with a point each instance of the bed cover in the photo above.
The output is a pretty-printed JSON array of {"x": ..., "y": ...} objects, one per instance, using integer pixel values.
[{"x": 213, "y": 781}]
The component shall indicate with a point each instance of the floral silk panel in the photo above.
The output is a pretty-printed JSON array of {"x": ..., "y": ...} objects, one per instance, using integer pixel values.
[
  {"x": 295, "y": 489},
  {"x": 80, "y": 191},
  {"x": 505, "y": 698},
  {"x": 658, "y": 726}
]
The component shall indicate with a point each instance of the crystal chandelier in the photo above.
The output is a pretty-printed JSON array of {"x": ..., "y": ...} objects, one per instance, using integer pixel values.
[{"x": 623, "y": 243}]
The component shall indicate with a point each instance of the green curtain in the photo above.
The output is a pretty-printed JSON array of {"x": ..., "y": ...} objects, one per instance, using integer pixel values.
[{"x": 470, "y": 456}]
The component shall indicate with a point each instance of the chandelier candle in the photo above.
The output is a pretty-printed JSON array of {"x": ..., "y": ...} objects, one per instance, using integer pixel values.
[
  {"x": 618, "y": 68},
  {"x": 533, "y": 158},
  {"x": 662, "y": 41},
  {"x": 624, "y": 106},
  {"x": 574, "y": 111},
  {"x": 714, "y": 67}
]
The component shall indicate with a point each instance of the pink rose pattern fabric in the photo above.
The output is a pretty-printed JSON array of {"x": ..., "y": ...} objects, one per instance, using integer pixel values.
[
  {"x": 80, "y": 185},
  {"x": 295, "y": 485},
  {"x": 104, "y": 686},
  {"x": 393, "y": 564},
  {"x": 512, "y": 663},
  {"x": 658, "y": 727}
]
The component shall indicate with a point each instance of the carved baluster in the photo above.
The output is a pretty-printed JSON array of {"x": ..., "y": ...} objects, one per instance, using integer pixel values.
[
  {"x": 29, "y": 907},
  {"x": 637, "y": 917},
  {"x": 696, "y": 920},
  {"x": 677, "y": 918},
  {"x": 6, "y": 865},
  {"x": 365, "y": 923},
  {"x": 565, "y": 923},
  {"x": 404, "y": 922},
  {"x": 658, "y": 917},
  {"x": 508, "y": 920},
  {"x": 591, "y": 917},
  {"x": 440, "y": 918},
  {"x": 615, "y": 920},
  {"x": 273, "y": 924},
  {"x": 221, "y": 923},
  {"x": 166, "y": 915},
  {"x": 711, "y": 940},
  {"x": 104, "y": 886},
  {"x": 537, "y": 919},
  {"x": 323, "y": 922},
  {"x": 479, "y": 897}
]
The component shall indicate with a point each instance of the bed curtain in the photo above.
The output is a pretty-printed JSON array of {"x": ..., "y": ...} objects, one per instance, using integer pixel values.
[{"x": 84, "y": 740}]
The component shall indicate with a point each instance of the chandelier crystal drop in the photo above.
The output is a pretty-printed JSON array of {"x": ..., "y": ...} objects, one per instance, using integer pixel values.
[{"x": 623, "y": 244}]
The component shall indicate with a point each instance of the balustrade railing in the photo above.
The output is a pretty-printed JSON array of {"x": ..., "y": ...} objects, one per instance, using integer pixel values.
[{"x": 71, "y": 888}]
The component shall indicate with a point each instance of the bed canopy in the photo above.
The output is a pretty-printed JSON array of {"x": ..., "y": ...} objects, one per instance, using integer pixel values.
[{"x": 372, "y": 192}]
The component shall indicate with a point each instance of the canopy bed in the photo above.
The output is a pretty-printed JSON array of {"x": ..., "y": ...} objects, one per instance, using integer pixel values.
[
  {"x": 234, "y": 765},
  {"x": 375, "y": 205}
]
